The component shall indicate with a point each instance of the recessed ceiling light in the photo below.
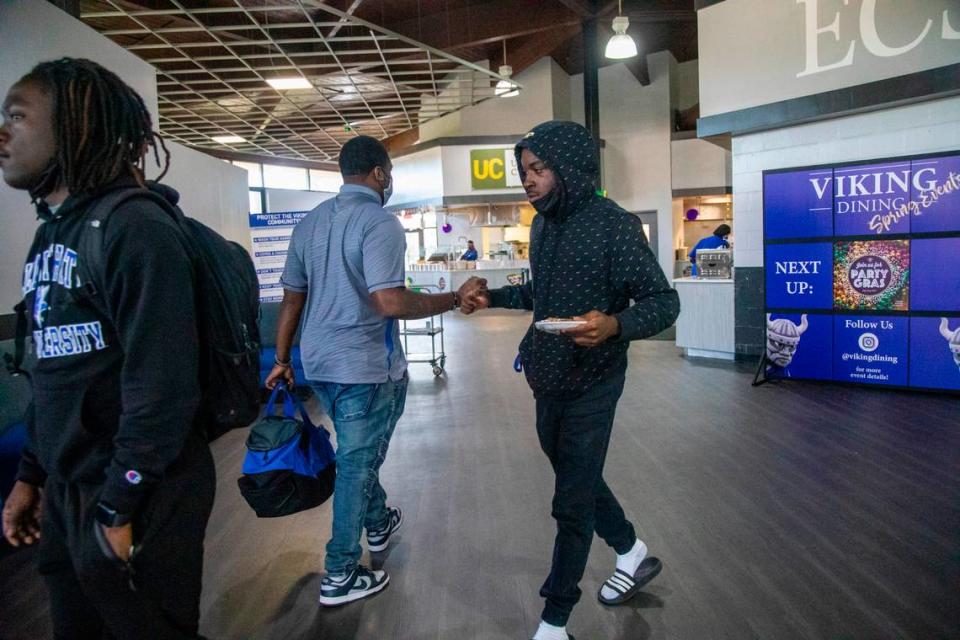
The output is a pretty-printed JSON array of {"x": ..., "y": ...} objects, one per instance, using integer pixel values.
[
  {"x": 289, "y": 83},
  {"x": 227, "y": 139}
]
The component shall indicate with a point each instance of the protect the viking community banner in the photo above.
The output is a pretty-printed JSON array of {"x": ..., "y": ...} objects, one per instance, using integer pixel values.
[
  {"x": 270, "y": 236},
  {"x": 862, "y": 268}
]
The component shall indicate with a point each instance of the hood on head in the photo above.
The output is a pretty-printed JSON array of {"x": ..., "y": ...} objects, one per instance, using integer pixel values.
[{"x": 568, "y": 149}]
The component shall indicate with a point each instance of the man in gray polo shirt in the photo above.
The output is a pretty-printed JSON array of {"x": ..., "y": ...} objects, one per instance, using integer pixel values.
[{"x": 345, "y": 271}]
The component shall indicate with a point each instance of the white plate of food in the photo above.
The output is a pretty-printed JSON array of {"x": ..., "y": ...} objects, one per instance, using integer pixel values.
[{"x": 556, "y": 325}]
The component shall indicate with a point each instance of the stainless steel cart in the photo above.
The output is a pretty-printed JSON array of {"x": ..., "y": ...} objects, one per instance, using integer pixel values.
[{"x": 426, "y": 328}]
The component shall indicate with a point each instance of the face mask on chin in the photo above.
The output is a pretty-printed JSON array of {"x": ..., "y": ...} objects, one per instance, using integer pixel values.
[{"x": 548, "y": 204}]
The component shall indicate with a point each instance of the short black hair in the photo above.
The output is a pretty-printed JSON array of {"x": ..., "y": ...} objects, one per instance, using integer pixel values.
[
  {"x": 722, "y": 230},
  {"x": 360, "y": 155}
]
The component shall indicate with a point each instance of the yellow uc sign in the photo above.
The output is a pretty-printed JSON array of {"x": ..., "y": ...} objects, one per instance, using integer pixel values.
[
  {"x": 488, "y": 168},
  {"x": 492, "y": 169}
]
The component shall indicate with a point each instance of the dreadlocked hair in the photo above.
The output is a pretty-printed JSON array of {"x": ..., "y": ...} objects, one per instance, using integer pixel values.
[{"x": 102, "y": 128}]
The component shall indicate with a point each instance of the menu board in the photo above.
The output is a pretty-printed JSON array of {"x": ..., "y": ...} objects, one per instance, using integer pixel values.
[{"x": 862, "y": 272}]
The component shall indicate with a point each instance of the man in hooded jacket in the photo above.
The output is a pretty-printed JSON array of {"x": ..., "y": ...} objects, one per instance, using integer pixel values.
[
  {"x": 116, "y": 482},
  {"x": 589, "y": 258}
]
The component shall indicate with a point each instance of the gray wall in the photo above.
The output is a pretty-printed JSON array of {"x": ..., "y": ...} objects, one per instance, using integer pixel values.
[
  {"x": 284, "y": 200},
  {"x": 636, "y": 123},
  {"x": 755, "y": 52},
  {"x": 501, "y": 116}
]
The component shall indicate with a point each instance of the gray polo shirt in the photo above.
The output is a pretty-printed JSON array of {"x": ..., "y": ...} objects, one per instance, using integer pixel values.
[{"x": 340, "y": 253}]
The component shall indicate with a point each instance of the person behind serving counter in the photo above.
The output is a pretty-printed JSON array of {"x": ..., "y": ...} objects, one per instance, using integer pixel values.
[
  {"x": 470, "y": 253},
  {"x": 716, "y": 241}
]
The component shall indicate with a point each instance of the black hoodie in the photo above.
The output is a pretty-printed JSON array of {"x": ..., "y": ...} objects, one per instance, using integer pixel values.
[
  {"x": 586, "y": 253},
  {"x": 114, "y": 395}
]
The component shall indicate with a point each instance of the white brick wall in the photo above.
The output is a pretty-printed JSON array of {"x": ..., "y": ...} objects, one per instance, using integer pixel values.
[{"x": 920, "y": 128}]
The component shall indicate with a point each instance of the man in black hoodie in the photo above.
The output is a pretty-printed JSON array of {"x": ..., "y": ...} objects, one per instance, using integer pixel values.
[
  {"x": 116, "y": 481},
  {"x": 589, "y": 258}
]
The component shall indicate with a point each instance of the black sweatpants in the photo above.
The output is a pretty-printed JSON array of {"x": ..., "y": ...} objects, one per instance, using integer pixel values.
[
  {"x": 93, "y": 594},
  {"x": 574, "y": 432}
]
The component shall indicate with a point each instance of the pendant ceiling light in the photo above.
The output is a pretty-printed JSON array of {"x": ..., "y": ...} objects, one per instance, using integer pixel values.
[
  {"x": 620, "y": 45},
  {"x": 505, "y": 88}
]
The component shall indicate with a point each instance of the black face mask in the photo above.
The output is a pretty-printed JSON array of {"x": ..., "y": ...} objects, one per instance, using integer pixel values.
[{"x": 551, "y": 203}]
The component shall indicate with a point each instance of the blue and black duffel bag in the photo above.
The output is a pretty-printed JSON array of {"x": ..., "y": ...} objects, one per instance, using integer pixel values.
[{"x": 290, "y": 464}]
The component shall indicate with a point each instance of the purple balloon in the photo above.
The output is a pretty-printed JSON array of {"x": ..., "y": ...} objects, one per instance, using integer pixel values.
[
  {"x": 447, "y": 227},
  {"x": 692, "y": 214}
]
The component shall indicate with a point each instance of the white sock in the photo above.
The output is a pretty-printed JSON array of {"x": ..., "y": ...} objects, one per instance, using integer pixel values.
[
  {"x": 627, "y": 563},
  {"x": 549, "y": 632}
]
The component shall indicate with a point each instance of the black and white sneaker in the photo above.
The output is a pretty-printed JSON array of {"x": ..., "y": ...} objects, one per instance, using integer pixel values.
[
  {"x": 379, "y": 540},
  {"x": 360, "y": 583}
]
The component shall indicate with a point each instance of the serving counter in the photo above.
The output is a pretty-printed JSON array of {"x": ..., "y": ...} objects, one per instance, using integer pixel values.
[
  {"x": 446, "y": 277},
  {"x": 705, "y": 327}
]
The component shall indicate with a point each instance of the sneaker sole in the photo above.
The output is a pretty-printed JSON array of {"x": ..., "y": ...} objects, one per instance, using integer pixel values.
[
  {"x": 337, "y": 601},
  {"x": 377, "y": 548}
]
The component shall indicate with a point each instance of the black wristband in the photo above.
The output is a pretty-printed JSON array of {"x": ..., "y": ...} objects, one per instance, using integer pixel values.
[
  {"x": 108, "y": 516},
  {"x": 456, "y": 299}
]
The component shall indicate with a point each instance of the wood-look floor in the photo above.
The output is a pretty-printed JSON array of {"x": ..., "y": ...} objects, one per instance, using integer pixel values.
[{"x": 788, "y": 511}]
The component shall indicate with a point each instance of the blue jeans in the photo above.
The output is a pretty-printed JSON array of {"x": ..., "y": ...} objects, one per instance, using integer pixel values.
[{"x": 364, "y": 417}]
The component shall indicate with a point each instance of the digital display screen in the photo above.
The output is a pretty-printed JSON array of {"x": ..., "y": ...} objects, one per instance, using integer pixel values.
[
  {"x": 871, "y": 275},
  {"x": 862, "y": 272},
  {"x": 799, "y": 204},
  {"x": 868, "y": 199},
  {"x": 800, "y": 276},
  {"x": 936, "y": 274}
]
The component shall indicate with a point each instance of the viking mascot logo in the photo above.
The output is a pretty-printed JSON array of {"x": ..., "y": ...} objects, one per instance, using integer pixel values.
[
  {"x": 783, "y": 338},
  {"x": 952, "y": 338}
]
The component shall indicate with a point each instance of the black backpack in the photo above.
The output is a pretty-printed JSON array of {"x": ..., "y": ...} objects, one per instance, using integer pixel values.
[{"x": 228, "y": 308}]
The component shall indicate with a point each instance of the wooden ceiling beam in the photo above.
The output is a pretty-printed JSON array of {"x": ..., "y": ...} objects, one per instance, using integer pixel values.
[
  {"x": 658, "y": 16},
  {"x": 402, "y": 140},
  {"x": 511, "y": 35},
  {"x": 477, "y": 22},
  {"x": 522, "y": 55},
  {"x": 583, "y": 8}
]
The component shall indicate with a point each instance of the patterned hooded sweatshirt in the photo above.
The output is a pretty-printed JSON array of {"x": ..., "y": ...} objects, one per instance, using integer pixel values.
[{"x": 586, "y": 253}]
